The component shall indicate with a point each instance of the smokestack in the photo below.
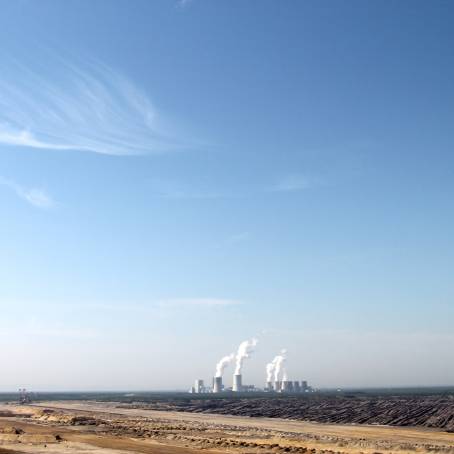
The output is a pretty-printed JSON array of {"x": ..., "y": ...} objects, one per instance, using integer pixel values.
[
  {"x": 217, "y": 384},
  {"x": 237, "y": 384}
]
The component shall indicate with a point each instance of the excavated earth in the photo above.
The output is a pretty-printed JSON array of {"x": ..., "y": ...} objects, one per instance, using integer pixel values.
[
  {"x": 91, "y": 427},
  {"x": 424, "y": 411}
]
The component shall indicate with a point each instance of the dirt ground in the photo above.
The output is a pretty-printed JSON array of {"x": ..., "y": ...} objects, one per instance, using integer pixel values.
[
  {"x": 401, "y": 409},
  {"x": 103, "y": 428}
]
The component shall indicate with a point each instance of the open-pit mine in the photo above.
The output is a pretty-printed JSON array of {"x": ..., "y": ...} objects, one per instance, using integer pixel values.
[{"x": 178, "y": 426}]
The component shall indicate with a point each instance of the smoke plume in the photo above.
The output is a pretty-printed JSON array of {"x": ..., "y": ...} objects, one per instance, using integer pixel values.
[
  {"x": 223, "y": 363},
  {"x": 278, "y": 364},
  {"x": 284, "y": 375},
  {"x": 244, "y": 350},
  {"x": 269, "y": 371}
]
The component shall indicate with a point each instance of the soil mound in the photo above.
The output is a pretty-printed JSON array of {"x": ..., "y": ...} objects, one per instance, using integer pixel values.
[{"x": 425, "y": 411}]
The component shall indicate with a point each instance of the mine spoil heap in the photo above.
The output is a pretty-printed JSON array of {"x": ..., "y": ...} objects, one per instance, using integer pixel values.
[{"x": 426, "y": 411}]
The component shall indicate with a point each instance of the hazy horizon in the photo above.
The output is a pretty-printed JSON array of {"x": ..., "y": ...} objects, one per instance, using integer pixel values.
[{"x": 179, "y": 176}]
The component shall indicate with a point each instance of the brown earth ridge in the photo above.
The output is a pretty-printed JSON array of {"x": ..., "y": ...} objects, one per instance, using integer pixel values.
[
  {"x": 423, "y": 411},
  {"x": 90, "y": 427}
]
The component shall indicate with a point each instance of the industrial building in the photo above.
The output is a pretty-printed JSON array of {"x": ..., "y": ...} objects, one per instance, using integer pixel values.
[
  {"x": 285, "y": 386},
  {"x": 198, "y": 387},
  {"x": 276, "y": 374}
]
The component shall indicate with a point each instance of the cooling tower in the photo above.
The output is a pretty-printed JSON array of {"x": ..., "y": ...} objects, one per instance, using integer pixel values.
[
  {"x": 278, "y": 386},
  {"x": 285, "y": 386},
  {"x": 198, "y": 386},
  {"x": 237, "y": 385},
  {"x": 269, "y": 386},
  {"x": 217, "y": 384},
  {"x": 296, "y": 386}
]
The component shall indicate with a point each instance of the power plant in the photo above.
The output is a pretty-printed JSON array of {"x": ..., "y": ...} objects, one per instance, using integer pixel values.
[{"x": 276, "y": 374}]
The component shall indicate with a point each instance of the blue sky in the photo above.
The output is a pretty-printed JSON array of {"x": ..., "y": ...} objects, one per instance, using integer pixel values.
[{"x": 179, "y": 176}]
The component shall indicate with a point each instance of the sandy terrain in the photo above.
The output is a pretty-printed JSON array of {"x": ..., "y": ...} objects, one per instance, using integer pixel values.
[{"x": 90, "y": 427}]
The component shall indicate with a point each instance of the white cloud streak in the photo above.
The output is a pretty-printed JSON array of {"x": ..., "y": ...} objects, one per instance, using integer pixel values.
[
  {"x": 34, "y": 196},
  {"x": 90, "y": 108},
  {"x": 183, "y": 3},
  {"x": 176, "y": 191},
  {"x": 35, "y": 328},
  {"x": 293, "y": 183},
  {"x": 238, "y": 238},
  {"x": 199, "y": 302}
]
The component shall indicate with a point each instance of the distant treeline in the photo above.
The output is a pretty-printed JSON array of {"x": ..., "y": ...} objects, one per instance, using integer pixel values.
[{"x": 153, "y": 396}]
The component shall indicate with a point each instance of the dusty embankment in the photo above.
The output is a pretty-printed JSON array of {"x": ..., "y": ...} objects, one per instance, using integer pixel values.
[
  {"x": 205, "y": 431},
  {"x": 91, "y": 428},
  {"x": 435, "y": 411},
  {"x": 25, "y": 429}
]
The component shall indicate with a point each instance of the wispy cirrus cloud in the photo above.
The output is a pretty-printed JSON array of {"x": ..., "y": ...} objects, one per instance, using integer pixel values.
[
  {"x": 183, "y": 3},
  {"x": 34, "y": 196},
  {"x": 89, "y": 107},
  {"x": 37, "y": 327},
  {"x": 238, "y": 238},
  {"x": 295, "y": 182},
  {"x": 198, "y": 302},
  {"x": 168, "y": 189}
]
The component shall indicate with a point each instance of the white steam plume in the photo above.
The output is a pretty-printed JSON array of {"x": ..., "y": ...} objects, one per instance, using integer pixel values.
[
  {"x": 278, "y": 364},
  {"x": 284, "y": 374},
  {"x": 270, "y": 371},
  {"x": 271, "y": 367},
  {"x": 244, "y": 350},
  {"x": 223, "y": 363}
]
